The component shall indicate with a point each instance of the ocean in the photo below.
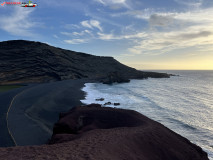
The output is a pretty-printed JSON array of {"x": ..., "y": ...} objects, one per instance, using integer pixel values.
[{"x": 182, "y": 103}]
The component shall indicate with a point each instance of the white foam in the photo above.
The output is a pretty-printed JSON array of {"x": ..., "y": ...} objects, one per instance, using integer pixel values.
[
  {"x": 109, "y": 93},
  {"x": 146, "y": 98}
]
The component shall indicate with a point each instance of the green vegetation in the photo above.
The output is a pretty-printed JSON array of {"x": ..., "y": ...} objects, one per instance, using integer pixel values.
[{"x": 5, "y": 88}]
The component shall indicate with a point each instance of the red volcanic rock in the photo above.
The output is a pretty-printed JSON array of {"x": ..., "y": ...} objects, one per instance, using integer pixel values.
[
  {"x": 85, "y": 118},
  {"x": 102, "y": 133},
  {"x": 124, "y": 133}
]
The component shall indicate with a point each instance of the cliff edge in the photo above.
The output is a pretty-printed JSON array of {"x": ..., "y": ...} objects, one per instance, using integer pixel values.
[{"x": 94, "y": 132}]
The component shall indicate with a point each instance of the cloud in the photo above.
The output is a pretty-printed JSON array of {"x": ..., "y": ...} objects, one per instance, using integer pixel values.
[
  {"x": 109, "y": 2},
  {"x": 190, "y": 3},
  {"x": 111, "y": 36},
  {"x": 67, "y": 33},
  {"x": 187, "y": 36},
  {"x": 167, "y": 32},
  {"x": 96, "y": 24},
  {"x": 20, "y": 25},
  {"x": 103, "y": 36},
  {"x": 139, "y": 14},
  {"x": 76, "y": 41},
  {"x": 71, "y": 26},
  {"x": 55, "y": 36},
  {"x": 100, "y": 1},
  {"x": 78, "y": 37},
  {"x": 157, "y": 43},
  {"x": 87, "y": 36},
  {"x": 92, "y": 24},
  {"x": 114, "y": 4},
  {"x": 160, "y": 20},
  {"x": 65, "y": 5},
  {"x": 86, "y": 24},
  {"x": 192, "y": 29},
  {"x": 82, "y": 33}
]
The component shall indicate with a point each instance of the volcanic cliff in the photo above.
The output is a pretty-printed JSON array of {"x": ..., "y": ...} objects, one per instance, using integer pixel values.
[
  {"x": 101, "y": 133},
  {"x": 27, "y": 61}
]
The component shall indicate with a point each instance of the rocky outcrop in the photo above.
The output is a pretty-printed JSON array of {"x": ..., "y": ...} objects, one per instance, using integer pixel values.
[
  {"x": 114, "y": 77},
  {"x": 26, "y": 61},
  {"x": 107, "y": 103},
  {"x": 124, "y": 134},
  {"x": 103, "y": 133},
  {"x": 99, "y": 99}
]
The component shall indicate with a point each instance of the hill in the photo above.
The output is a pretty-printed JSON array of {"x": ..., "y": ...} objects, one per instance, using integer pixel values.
[{"x": 27, "y": 61}]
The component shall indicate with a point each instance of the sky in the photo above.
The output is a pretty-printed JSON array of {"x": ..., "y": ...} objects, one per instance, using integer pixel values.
[{"x": 144, "y": 34}]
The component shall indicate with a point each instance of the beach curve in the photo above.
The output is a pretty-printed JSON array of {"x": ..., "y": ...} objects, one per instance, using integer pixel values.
[{"x": 33, "y": 112}]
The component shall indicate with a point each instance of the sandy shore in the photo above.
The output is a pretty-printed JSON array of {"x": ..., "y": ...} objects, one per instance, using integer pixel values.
[
  {"x": 35, "y": 110},
  {"x": 5, "y": 100}
]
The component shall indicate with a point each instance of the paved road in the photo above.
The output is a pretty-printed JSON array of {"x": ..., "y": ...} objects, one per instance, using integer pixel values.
[{"x": 34, "y": 110}]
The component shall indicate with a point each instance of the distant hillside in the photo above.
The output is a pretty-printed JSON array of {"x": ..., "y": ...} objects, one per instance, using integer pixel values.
[{"x": 27, "y": 61}]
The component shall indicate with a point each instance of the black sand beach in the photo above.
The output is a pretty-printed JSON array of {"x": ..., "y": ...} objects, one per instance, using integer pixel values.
[
  {"x": 5, "y": 100},
  {"x": 34, "y": 110}
]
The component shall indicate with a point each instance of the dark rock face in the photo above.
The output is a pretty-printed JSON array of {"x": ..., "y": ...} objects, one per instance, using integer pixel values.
[
  {"x": 100, "y": 99},
  {"x": 26, "y": 61},
  {"x": 114, "y": 77},
  {"x": 117, "y": 104},
  {"x": 107, "y": 103}
]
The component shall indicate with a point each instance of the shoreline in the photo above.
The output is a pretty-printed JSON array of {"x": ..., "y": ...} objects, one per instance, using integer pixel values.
[
  {"x": 6, "y": 99},
  {"x": 35, "y": 111},
  {"x": 36, "y": 119},
  {"x": 104, "y": 93}
]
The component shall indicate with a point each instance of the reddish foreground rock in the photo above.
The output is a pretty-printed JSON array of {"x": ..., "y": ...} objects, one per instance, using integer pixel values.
[{"x": 103, "y": 133}]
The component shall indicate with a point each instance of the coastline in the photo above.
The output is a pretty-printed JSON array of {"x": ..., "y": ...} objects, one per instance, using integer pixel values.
[
  {"x": 28, "y": 115},
  {"x": 34, "y": 112},
  {"x": 148, "y": 105},
  {"x": 5, "y": 99}
]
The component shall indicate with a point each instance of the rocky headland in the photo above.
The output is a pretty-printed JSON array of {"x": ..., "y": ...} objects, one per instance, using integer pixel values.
[
  {"x": 30, "y": 62},
  {"x": 103, "y": 133}
]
